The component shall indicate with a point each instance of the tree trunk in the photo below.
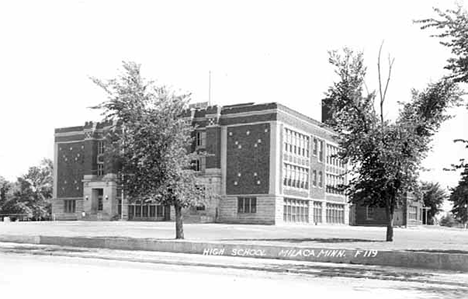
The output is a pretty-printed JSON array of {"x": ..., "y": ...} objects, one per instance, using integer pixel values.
[
  {"x": 179, "y": 221},
  {"x": 389, "y": 212}
]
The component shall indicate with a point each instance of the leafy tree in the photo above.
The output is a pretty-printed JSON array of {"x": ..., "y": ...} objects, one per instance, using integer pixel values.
[
  {"x": 433, "y": 196},
  {"x": 448, "y": 220},
  {"x": 459, "y": 197},
  {"x": 5, "y": 194},
  {"x": 30, "y": 194},
  {"x": 384, "y": 156},
  {"x": 151, "y": 141},
  {"x": 451, "y": 26}
]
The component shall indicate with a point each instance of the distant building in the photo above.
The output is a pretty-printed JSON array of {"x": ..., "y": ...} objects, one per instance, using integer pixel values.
[
  {"x": 266, "y": 164},
  {"x": 411, "y": 212}
]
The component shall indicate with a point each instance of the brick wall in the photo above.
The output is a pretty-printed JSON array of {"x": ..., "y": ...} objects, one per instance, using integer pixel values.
[
  {"x": 70, "y": 158},
  {"x": 248, "y": 159}
]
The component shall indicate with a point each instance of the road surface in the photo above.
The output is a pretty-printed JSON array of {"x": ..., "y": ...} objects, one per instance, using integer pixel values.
[{"x": 55, "y": 272}]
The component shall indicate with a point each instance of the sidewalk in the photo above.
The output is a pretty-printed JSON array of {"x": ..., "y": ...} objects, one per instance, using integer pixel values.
[
  {"x": 275, "y": 266},
  {"x": 421, "y": 247}
]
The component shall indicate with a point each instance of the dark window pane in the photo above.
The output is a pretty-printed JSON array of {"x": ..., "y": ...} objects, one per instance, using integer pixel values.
[{"x": 240, "y": 205}]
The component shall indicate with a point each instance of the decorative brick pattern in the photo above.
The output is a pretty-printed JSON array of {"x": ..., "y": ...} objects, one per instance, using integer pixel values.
[
  {"x": 70, "y": 169},
  {"x": 248, "y": 158}
]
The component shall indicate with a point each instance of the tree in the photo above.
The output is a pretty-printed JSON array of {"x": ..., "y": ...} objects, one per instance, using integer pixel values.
[
  {"x": 5, "y": 194},
  {"x": 459, "y": 197},
  {"x": 384, "y": 156},
  {"x": 448, "y": 220},
  {"x": 150, "y": 140},
  {"x": 433, "y": 197},
  {"x": 30, "y": 194},
  {"x": 452, "y": 30}
]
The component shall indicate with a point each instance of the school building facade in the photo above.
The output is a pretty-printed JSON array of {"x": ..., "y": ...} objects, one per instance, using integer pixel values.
[{"x": 266, "y": 164}]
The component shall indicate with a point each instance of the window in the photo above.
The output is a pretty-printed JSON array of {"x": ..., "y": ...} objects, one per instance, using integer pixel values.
[
  {"x": 314, "y": 151},
  {"x": 320, "y": 154},
  {"x": 159, "y": 211},
  {"x": 100, "y": 158},
  {"x": 100, "y": 195},
  {"x": 370, "y": 213},
  {"x": 69, "y": 206},
  {"x": 295, "y": 210},
  {"x": 246, "y": 205},
  {"x": 296, "y": 143},
  {"x": 413, "y": 213},
  {"x": 317, "y": 212},
  {"x": 200, "y": 207},
  {"x": 131, "y": 211},
  {"x": 314, "y": 178},
  {"x": 200, "y": 139},
  {"x": 320, "y": 179},
  {"x": 295, "y": 176},
  {"x": 199, "y": 164},
  {"x": 335, "y": 213}
]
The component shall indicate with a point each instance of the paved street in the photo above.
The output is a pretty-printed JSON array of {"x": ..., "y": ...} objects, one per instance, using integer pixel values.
[
  {"x": 52, "y": 271},
  {"x": 351, "y": 237}
]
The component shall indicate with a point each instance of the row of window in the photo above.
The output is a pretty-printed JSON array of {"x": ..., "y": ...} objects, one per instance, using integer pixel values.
[
  {"x": 298, "y": 177},
  {"x": 299, "y": 144},
  {"x": 334, "y": 213},
  {"x": 332, "y": 156},
  {"x": 145, "y": 211},
  {"x": 334, "y": 182},
  {"x": 246, "y": 205},
  {"x": 295, "y": 176},
  {"x": 295, "y": 210},
  {"x": 296, "y": 143}
]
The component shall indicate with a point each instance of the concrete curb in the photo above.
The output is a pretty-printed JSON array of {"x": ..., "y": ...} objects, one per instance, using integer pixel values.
[{"x": 408, "y": 259}]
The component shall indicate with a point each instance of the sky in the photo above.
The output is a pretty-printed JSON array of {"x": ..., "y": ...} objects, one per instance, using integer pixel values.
[{"x": 257, "y": 51}]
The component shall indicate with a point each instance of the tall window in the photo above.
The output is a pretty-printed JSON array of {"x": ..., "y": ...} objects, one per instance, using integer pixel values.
[
  {"x": 317, "y": 212},
  {"x": 295, "y": 210},
  {"x": 413, "y": 213},
  {"x": 295, "y": 176},
  {"x": 296, "y": 143},
  {"x": 320, "y": 153},
  {"x": 100, "y": 199},
  {"x": 100, "y": 158},
  {"x": 199, "y": 164},
  {"x": 320, "y": 179},
  {"x": 246, "y": 205},
  {"x": 370, "y": 213},
  {"x": 200, "y": 139},
  {"x": 314, "y": 178},
  {"x": 315, "y": 146},
  {"x": 335, "y": 213},
  {"x": 69, "y": 206}
]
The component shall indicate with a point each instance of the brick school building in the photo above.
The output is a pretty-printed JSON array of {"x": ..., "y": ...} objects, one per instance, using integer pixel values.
[{"x": 266, "y": 164}]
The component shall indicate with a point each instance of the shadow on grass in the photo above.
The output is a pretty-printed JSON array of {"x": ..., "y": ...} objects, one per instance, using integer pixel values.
[{"x": 302, "y": 240}]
